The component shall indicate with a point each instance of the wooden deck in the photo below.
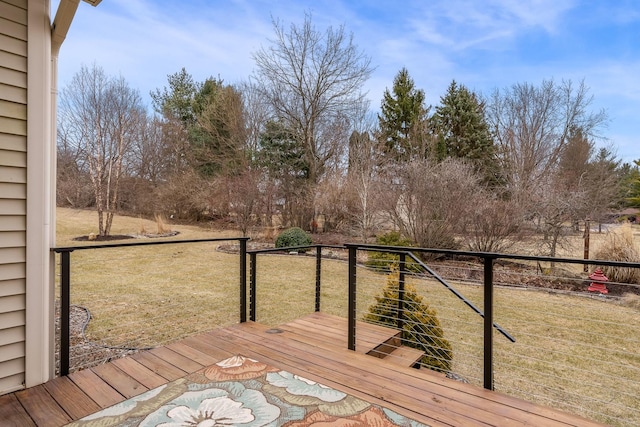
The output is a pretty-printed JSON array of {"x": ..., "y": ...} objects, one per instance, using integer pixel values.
[{"x": 314, "y": 347}]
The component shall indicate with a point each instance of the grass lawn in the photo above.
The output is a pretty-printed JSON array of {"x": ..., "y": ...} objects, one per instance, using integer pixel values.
[{"x": 572, "y": 352}]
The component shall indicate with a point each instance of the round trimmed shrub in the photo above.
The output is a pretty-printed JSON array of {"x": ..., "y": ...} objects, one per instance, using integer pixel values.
[{"x": 293, "y": 236}]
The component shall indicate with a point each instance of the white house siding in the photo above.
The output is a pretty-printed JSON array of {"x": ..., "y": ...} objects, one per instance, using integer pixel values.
[{"x": 13, "y": 192}]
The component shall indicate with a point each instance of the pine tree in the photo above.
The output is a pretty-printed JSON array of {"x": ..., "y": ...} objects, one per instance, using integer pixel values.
[
  {"x": 574, "y": 160},
  {"x": 421, "y": 329},
  {"x": 176, "y": 101},
  {"x": 462, "y": 129},
  {"x": 631, "y": 184},
  {"x": 281, "y": 156},
  {"x": 210, "y": 116},
  {"x": 281, "y": 153},
  {"x": 217, "y": 138},
  {"x": 403, "y": 119}
]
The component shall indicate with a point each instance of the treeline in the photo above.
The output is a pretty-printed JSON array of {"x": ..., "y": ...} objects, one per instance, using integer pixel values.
[{"x": 297, "y": 143}]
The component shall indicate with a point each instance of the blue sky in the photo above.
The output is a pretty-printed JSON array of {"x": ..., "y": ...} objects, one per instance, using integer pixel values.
[{"x": 482, "y": 44}]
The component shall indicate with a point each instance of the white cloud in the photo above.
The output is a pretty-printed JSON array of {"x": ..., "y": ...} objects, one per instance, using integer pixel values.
[
  {"x": 484, "y": 45},
  {"x": 465, "y": 24}
]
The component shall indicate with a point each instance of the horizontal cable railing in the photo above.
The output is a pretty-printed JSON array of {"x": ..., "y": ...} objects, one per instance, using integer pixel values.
[
  {"x": 544, "y": 336},
  {"x": 523, "y": 325},
  {"x": 117, "y": 299},
  {"x": 296, "y": 288}
]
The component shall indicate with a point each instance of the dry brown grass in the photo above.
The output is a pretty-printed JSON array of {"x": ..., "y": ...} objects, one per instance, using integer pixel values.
[
  {"x": 161, "y": 224},
  {"x": 569, "y": 349},
  {"x": 631, "y": 300},
  {"x": 619, "y": 245}
]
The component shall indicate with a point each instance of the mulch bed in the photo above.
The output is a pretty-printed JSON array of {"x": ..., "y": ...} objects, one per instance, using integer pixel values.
[
  {"x": 82, "y": 352},
  {"x": 114, "y": 237},
  {"x": 506, "y": 273}
]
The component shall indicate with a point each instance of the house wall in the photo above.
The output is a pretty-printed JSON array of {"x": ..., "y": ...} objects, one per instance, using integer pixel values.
[
  {"x": 13, "y": 192},
  {"x": 39, "y": 361}
]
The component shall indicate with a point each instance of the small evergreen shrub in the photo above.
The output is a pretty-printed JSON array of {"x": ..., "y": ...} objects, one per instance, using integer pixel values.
[
  {"x": 619, "y": 246},
  {"x": 293, "y": 236},
  {"x": 422, "y": 329},
  {"x": 385, "y": 261}
]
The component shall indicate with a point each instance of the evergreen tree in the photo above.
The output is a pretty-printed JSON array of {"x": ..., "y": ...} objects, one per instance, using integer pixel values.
[
  {"x": 631, "y": 184},
  {"x": 217, "y": 138},
  {"x": 210, "y": 116},
  {"x": 421, "y": 330},
  {"x": 462, "y": 129},
  {"x": 176, "y": 101},
  {"x": 281, "y": 153},
  {"x": 281, "y": 156},
  {"x": 403, "y": 119},
  {"x": 574, "y": 160},
  {"x": 603, "y": 184}
]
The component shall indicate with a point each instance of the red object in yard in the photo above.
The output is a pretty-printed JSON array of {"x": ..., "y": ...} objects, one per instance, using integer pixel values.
[{"x": 598, "y": 284}]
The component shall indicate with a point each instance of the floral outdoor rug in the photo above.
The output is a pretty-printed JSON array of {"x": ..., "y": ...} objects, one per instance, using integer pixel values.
[{"x": 244, "y": 392}]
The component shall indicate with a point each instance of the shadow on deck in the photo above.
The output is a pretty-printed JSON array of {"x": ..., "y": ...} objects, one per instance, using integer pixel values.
[{"x": 314, "y": 347}]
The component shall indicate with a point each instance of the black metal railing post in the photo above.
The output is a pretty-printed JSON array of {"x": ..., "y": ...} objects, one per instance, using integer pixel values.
[
  {"x": 243, "y": 280},
  {"x": 65, "y": 310},
  {"x": 488, "y": 322},
  {"x": 401, "y": 272},
  {"x": 351, "y": 338},
  {"x": 253, "y": 265},
  {"x": 318, "y": 275}
]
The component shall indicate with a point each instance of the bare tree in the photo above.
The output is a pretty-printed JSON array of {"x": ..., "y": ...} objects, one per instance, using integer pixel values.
[
  {"x": 531, "y": 126},
  {"x": 331, "y": 202},
  {"x": 256, "y": 114},
  {"x": 556, "y": 212},
  {"x": 100, "y": 116},
  {"x": 151, "y": 153},
  {"x": 186, "y": 195},
  {"x": 312, "y": 81},
  {"x": 365, "y": 191},
  {"x": 493, "y": 223},
  {"x": 428, "y": 202},
  {"x": 244, "y": 195},
  {"x": 73, "y": 185}
]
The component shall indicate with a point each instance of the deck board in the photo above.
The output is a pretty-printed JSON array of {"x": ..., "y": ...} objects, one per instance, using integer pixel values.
[
  {"x": 497, "y": 403},
  {"x": 313, "y": 347},
  {"x": 368, "y": 336},
  {"x": 75, "y": 402},
  {"x": 180, "y": 360},
  {"x": 42, "y": 408},
  {"x": 12, "y": 412},
  {"x": 140, "y": 373},
  {"x": 160, "y": 366},
  {"x": 119, "y": 380},
  {"x": 96, "y": 388},
  {"x": 332, "y": 374},
  {"x": 383, "y": 383},
  {"x": 197, "y": 356},
  {"x": 214, "y": 352}
]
